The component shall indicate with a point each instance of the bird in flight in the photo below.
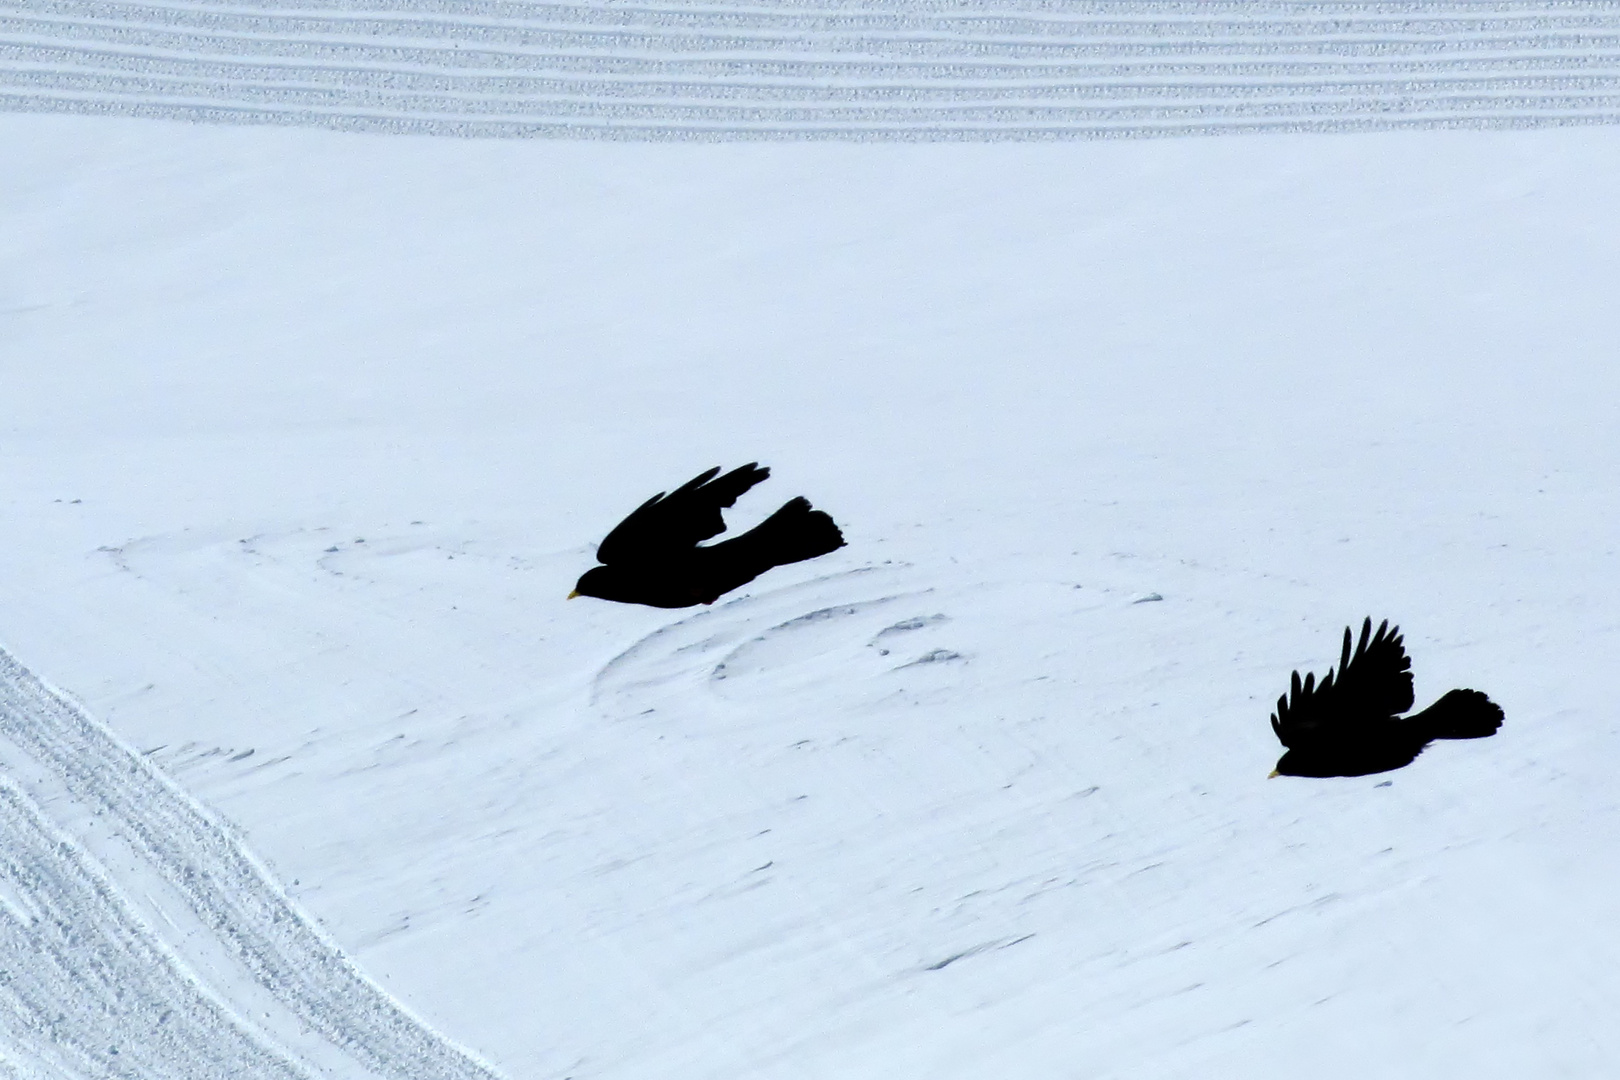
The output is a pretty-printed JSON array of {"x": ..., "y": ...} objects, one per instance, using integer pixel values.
[
  {"x": 1350, "y": 725},
  {"x": 656, "y": 556}
]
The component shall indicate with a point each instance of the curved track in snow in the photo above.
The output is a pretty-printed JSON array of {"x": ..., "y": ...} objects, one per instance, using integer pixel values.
[
  {"x": 139, "y": 937},
  {"x": 839, "y": 69}
]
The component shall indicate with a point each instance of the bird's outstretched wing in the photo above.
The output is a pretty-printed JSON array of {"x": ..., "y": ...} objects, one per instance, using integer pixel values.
[
  {"x": 668, "y": 523},
  {"x": 1373, "y": 683},
  {"x": 1377, "y": 679}
]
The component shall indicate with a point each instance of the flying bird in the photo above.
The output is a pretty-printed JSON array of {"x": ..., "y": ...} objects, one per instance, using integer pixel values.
[
  {"x": 656, "y": 556},
  {"x": 1352, "y": 725}
]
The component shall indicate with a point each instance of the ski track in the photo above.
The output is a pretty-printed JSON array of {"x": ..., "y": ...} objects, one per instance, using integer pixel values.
[
  {"x": 836, "y": 70},
  {"x": 139, "y": 937},
  {"x": 711, "y": 645},
  {"x": 858, "y": 638},
  {"x": 856, "y": 630}
]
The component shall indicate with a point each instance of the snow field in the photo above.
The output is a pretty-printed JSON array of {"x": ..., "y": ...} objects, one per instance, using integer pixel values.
[
  {"x": 868, "y": 70},
  {"x": 344, "y": 416}
]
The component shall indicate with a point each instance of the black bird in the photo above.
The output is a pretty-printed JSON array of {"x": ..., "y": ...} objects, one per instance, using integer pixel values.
[
  {"x": 1351, "y": 726},
  {"x": 653, "y": 556}
]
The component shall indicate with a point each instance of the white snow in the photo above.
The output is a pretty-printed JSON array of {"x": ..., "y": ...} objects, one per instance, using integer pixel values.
[
  {"x": 304, "y": 436},
  {"x": 832, "y": 69}
]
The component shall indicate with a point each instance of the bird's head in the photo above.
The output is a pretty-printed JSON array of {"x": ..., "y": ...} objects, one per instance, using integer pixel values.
[{"x": 598, "y": 581}]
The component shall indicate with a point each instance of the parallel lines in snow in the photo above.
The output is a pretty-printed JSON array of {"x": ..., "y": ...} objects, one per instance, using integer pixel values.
[
  {"x": 860, "y": 69},
  {"x": 92, "y": 983},
  {"x": 83, "y": 974}
]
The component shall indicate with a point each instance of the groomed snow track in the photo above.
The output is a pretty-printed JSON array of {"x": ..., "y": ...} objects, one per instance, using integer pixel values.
[
  {"x": 857, "y": 69},
  {"x": 139, "y": 938}
]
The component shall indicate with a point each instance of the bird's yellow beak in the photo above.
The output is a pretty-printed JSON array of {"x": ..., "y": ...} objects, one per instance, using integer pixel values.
[
  {"x": 1273, "y": 774},
  {"x": 572, "y": 594}
]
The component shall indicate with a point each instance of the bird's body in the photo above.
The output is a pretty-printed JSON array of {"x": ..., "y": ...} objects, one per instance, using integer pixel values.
[
  {"x": 655, "y": 557},
  {"x": 1351, "y": 725}
]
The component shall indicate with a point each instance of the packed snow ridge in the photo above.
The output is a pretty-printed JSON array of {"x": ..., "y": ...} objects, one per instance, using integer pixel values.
[
  {"x": 138, "y": 937},
  {"x": 856, "y": 69}
]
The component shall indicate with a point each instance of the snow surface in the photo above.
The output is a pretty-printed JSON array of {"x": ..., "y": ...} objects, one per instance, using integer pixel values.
[
  {"x": 306, "y": 436},
  {"x": 914, "y": 70}
]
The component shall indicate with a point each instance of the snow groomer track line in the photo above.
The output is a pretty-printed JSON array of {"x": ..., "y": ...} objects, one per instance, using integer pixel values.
[
  {"x": 907, "y": 71},
  {"x": 138, "y": 937}
]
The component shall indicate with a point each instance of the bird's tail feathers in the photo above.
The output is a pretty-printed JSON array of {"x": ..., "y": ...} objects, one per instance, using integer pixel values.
[
  {"x": 795, "y": 533},
  {"x": 1463, "y": 714}
]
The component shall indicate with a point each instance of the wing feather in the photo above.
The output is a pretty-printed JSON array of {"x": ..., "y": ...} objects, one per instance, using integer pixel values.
[
  {"x": 1373, "y": 682},
  {"x": 1377, "y": 679},
  {"x": 669, "y": 523}
]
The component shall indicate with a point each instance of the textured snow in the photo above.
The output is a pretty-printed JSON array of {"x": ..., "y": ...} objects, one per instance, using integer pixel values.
[
  {"x": 703, "y": 70},
  {"x": 305, "y": 436}
]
